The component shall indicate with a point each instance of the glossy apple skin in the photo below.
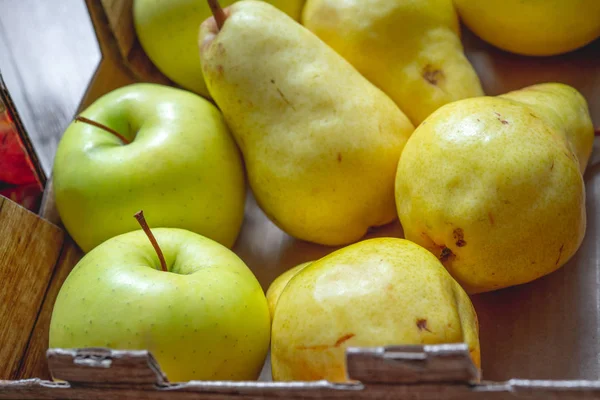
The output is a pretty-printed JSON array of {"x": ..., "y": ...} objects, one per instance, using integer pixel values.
[
  {"x": 182, "y": 167},
  {"x": 207, "y": 318}
]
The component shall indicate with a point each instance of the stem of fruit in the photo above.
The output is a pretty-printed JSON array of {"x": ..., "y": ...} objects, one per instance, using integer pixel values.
[
  {"x": 142, "y": 221},
  {"x": 85, "y": 120},
  {"x": 217, "y": 12}
]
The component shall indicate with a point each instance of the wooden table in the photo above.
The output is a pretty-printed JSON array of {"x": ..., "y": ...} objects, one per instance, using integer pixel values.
[{"x": 48, "y": 54}]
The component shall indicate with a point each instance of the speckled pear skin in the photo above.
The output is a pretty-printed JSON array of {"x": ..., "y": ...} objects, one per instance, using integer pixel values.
[
  {"x": 567, "y": 110},
  {"x": 409, "y": 49},
  {"x": 373, "y": 293},
  {"x": 279, "y": 284},
  {"x": 493, "y": 186},
  {"x": 320, "y": 143}
]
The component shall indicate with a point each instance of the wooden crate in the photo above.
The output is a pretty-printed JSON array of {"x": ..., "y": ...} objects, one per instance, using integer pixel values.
[{"x": 546, "y": 331}]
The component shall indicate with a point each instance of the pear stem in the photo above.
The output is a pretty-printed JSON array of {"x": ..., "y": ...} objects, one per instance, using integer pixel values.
[
  {"x": 85, "y": 120},
  {"x": 142, "y": 221},
  {"x": 217, "y": 12}
]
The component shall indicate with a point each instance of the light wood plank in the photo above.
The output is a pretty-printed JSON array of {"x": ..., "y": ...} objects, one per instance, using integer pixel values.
[
  {"x": 48, "y": 53},
  {"x": 29, "y": 250},
  {"x": 33, "y": 362}
]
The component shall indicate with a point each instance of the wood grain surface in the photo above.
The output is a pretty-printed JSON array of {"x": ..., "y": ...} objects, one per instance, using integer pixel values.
[
  {"x": 48, "y": 53},
  {"x": 33, "y": 362},
  {"x": 29, "y": 250}
]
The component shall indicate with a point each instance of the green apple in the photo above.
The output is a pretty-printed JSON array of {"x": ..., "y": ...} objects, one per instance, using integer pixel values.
[
  {"x": 177, "y": 161},
  {"x": 168, "y": 32},
  {"x": 206, "y": 318}
]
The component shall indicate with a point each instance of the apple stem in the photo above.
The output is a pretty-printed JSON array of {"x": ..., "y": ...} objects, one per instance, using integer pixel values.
[
  {"x": 142, "y": 221},
  {"x": 85, "y": 120},
  {"x": 218, "y": 12}
]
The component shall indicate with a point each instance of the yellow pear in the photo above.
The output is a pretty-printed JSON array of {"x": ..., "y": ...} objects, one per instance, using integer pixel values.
[
  {"x": 537, "y": 28},
  {"x": 276, "y": 288},
  {"x": 567, "y": 110},
  {"x": 409, "y": 49},
  {"x": 493, "y": 185},
  {"x": 377, "y": 292},
  {"x": 320, "y": 143}
]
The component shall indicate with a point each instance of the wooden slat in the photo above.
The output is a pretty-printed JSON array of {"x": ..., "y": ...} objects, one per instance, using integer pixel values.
[
  {"x": 47, "y": 56},
  {"x": 34, "y": 362},
  {"x": 29, "y": 250},
  {"x": 108, "y": 45},
  {"x": 113, "y": 22},
  {"x": 119, "y": 15},
  {"x": 48, "y": 209}
]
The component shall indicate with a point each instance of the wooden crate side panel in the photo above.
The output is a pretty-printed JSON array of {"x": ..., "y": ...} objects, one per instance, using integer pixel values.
[
  {"x": 113, "y": 22},
  {"x": 119, "y": 14},
  {"x": 34, "y": 362},
  {"x": 29, "y": 250}
]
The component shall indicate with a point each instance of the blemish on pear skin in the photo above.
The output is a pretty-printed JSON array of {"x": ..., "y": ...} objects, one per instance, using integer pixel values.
[
  {"x": 491, "y": 218},
  {"x": 422, "y": 325},
  {"x": 282, "y": 95},
  {"x": 344, "y": 338},
  {"x": 432, "y": 75},
  {"x": 459, "y": 237},
  {"x": 552, "y": 166},
  {"x": 503, "y": 121},
  {"x": 285, "y": 98},
  {"x": 446, "y": 254},
  {"x": 559, "y": 253},
  {"x": 570, "y": 155},
  {"x": 339, "y": 157},
  {"x": 338, "y": 343}
]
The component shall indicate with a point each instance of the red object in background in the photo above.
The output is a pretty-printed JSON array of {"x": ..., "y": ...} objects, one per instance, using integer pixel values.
[{"x": 21, "y": 178}]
